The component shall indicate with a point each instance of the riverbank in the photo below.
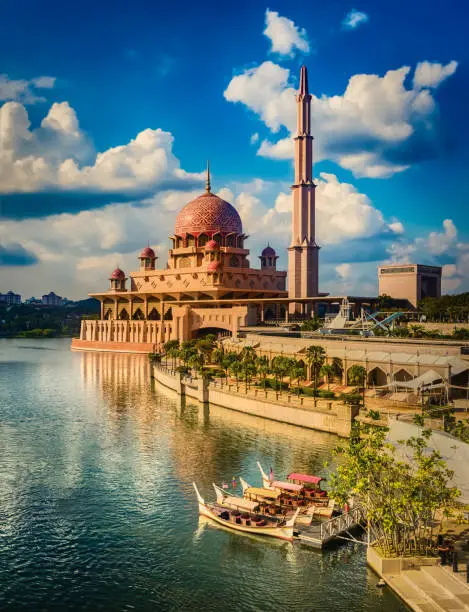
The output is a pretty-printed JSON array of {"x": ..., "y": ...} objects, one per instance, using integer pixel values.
[{"x": 321, "y": 415}]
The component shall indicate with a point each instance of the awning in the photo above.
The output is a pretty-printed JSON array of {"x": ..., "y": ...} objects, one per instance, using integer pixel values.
[
  {"x": 239, "y": 502},
  {"x": 304, "y": 478},
  {"x": 267, "y": 493},
  {"x": 425, "y": 379},
  {"x": 287, "y": 486}
]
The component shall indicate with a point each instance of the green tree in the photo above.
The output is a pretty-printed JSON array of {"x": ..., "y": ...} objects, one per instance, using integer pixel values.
[
  {"x": 328, "y": 372},
  {"x": 171, "y": 348},
  {"x": 357, "y": 377},
  {"x": 280, "y": 366},
  {"x": 311, "y": 324},
  {"x": 263, "y": 368},
  {"x": 403, "y": 500},
  {"x": 297, "y": 372},
  {"x": 248, "y": 370},
  {"x": 236, "y": 368},
  {"x": 315, "y": 357}
]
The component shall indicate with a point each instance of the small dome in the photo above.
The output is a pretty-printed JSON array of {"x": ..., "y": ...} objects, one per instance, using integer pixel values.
[
  {"x": 212, "y": 245},
  {"x": 268, "y": 252},
  {"x": 118, "y": 274},
  {"x": 213, "y": 266},
  {"x": 147, "y": 253},
  {"x": 208, "y": 213}
]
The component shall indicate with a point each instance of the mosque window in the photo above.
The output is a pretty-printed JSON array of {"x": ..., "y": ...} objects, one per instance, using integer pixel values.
[
  {"x": 251, "y": 284},
  {"x": 203, "y": 239},
  {"x": 190, "y": 240},
  {"x": 234, "y": 261},
  {"x": 184, "y": 262}
]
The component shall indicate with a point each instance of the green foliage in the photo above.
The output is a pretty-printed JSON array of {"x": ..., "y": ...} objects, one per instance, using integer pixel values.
[
  {"x": 461, "y": 333},
  {"x": 311, "y": 324},
  {"x": 351, "y": 399},
  {"x": 447, "y": 308},
  {"x": 356, "y": 375},
  {"x": 315, "y": 357},
  {"x": 403, "y": 500}
]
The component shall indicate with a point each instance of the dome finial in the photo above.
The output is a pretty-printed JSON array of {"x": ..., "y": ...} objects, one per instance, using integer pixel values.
[{"x": 207, "y": 184}]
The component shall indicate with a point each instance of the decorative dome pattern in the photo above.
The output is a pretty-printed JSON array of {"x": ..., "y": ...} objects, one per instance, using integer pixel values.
[
  {"x": 118, "y": 274},
  {"x": 268, "y": 252},
  {"x": 208, "y": 213},
  {"x": 147, "y": 253},
  {"x": 213, "y": 266},
  {"x": 212, "y": 245}
]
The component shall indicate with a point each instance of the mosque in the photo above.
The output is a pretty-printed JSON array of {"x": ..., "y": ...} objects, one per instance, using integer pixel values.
[{"x": 209, "y": 284}]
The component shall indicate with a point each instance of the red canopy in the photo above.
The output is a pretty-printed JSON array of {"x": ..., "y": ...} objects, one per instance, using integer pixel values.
[{"x": 304, "y": 478}]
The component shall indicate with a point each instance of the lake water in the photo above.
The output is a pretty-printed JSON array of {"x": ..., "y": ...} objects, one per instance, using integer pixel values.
[{"x": 97, "y": 510}]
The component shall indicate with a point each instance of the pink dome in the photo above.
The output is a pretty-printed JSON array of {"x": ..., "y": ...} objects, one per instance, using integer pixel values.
[
  {"x": 212, "y": 245},
  {"x": 208, "y": 213},
  {"x": 147, "y": 253},
  {"x": 213, "y": 266},
  {"x": 268, "y": 252},
  {"x": 118, "y": 274}
]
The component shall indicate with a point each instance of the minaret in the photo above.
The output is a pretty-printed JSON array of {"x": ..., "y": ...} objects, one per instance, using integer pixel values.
[{"x": 303, "y": 251}]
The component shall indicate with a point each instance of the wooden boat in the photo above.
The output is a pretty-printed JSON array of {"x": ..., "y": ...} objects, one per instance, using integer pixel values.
[
  {"x": 301, "y": 488},
  {"x": 241, "y": 514},
  {"x": 272, "y": 502}
]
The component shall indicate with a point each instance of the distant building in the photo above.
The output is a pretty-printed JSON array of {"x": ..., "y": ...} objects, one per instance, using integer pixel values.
[
  {"x": 410, "y": 282},
  {"x": 10, "y": 298},
  {"x": 52, "y": 299},
  {"x": 33, "y": 300}
]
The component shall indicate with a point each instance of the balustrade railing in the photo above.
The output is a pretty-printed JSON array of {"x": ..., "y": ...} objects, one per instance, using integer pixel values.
[{"x": 341, "y": 523}]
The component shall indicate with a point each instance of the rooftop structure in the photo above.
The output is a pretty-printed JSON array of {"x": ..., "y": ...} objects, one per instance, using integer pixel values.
[{"x": 411, "y": 282}]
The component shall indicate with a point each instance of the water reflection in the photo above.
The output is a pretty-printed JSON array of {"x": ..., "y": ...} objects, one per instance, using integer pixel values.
[{"x": 97, "y": 509}]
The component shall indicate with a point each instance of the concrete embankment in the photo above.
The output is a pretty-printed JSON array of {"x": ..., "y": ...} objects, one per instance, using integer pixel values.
[
  {"x": 327, "y": 416},
  {"x": 423, "y": 584}
]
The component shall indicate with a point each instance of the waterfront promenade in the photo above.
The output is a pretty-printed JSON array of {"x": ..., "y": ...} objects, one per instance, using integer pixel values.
[{"x": 323, "y": 415}]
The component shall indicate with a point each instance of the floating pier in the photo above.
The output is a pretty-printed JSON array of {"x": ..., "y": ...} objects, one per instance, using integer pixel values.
[{"x": 336, "y": 528}]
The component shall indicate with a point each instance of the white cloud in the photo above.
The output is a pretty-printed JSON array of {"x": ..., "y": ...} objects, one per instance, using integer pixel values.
[
  {"x": 23, "y": 90},
  {"x": 353, "y": 19},
  {"x": 376, "y": 128},
  {"x": 254, "y": 138},
  {"x": 52, "y": 155},
  {"x": 437, "y": 248},
  {"x": 343, "y": 271},
  {"x": 285, "y": 37},
  {"x": 432, "y": 74},
  {"x": 77, "y": 252}
]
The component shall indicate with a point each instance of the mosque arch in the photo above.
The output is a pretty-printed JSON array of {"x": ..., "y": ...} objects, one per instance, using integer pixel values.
[
  {"x": 203, "y": 239},
  {"x": 190, "y": 240},
  {"x": 138, "y": 315},
  {"x": 154, "y": 315},
  {"x": 168, "y": 315},
  {"x": 402, "y": 375},
  {"x": 377, "y": 377},
  {"x": 108, "y": 314},
  {"x": 124, "y": 315}
]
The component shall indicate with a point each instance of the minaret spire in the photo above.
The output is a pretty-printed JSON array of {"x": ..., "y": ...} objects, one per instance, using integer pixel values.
[
  {"x": 303, "y": 251},
  {"x": 303, "y": 81},
  {"x": 207, "y": 183}
]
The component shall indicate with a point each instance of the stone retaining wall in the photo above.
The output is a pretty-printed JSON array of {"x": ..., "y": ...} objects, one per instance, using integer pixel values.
[
  {"x": 114, "y": 347},
  {"x": 334, "y": 417}
]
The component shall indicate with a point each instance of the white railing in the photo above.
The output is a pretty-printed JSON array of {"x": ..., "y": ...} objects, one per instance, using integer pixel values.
[{"x": 341, "y": 523}]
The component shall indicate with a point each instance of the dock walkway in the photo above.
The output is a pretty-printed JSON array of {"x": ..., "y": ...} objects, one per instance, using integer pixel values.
[{"x": 319, "y": 534}]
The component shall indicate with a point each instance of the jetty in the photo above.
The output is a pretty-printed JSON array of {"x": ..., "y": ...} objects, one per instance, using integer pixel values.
[{"x": 318, "y": 535}]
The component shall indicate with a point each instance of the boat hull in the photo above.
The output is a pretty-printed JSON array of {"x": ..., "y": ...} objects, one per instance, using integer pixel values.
[{"x": 282, "y": 533}]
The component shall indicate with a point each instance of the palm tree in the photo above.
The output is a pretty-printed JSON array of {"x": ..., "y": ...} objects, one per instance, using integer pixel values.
[
  {"x": 248, "y": 353},
  {"x": 235, "y": 369},
  {"x": 263, "y": 368},
  {"x": 280, "y": 368},
  {"x": 328, "y": 372},
  {"x": 248, "y": 369},
  {"x": 315, "y": 356},
  {"x": 297, "y": 371},
  {"x": 171, "y": 347},
  {"x": 357, "y": 376}
]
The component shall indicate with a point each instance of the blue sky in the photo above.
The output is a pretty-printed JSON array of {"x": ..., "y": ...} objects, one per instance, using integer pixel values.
[{"x": 213, "y": 81}]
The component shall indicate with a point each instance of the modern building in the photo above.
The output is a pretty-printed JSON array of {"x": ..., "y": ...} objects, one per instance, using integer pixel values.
[
  {"x": 10, "y": 298},
  {"x": 411, "y": 282},
  {"x": 52, "y": 299}
]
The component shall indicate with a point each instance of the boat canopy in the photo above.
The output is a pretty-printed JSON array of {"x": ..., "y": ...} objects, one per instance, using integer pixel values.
[
  {"x": 304, "y": 478},
  {"x": 287, "y": 486},
  {"x": 267, "y": 493},
  {"x": 239, "y": 502}
]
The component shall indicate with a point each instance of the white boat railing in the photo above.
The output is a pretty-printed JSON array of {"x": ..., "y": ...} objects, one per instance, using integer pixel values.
[{"x": 343, "y": 522}]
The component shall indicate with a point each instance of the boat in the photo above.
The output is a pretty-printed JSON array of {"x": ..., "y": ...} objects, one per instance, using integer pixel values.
[
  {"x": 241, "y": 514},
  {"x": 301, "y": 488},
  {"x": 272, "y": 502}
]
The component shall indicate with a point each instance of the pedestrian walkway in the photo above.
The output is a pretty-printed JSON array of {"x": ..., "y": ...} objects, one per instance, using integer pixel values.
[{"x": 432, "y": 588}]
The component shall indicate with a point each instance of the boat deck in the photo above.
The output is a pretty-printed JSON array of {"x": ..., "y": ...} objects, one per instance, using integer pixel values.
[{"x": 320, "y": 534}]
